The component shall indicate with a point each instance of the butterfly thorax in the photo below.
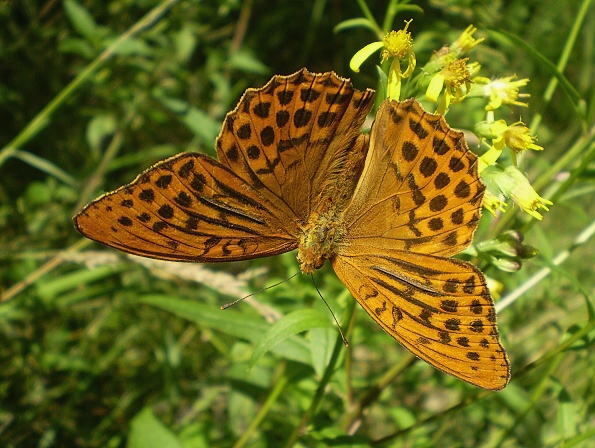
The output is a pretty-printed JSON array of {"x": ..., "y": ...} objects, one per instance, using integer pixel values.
[{"x": 319, "y": 239}]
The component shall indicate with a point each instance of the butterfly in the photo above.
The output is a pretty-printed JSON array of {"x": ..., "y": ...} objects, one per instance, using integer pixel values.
[{"x": 388, "y": 209}]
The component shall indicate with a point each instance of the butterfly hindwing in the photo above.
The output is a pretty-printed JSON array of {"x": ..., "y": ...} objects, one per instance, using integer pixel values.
[
  {"x": 438, "y": 308},
  {"x": 188, "y": 208}
]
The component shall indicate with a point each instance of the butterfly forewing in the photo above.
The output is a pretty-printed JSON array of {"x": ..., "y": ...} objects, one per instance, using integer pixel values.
[
  {"x": 422, "y": 175},
  {"x": 188, "y": 208},
  {"x": 418, "y": 198},
  {"x": 287, "y": 137}
]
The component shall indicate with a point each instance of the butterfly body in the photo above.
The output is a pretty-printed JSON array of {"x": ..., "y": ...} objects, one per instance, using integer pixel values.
[
  {"x": 325, "y": 229},
  {"x": 294, "y": 172}
]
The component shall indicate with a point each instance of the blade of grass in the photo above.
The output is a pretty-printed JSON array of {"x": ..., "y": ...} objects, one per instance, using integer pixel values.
[
  {"x": 45, "y": 166},
  {"x": 42, "y": 270},
  {"x": 43, "y": 118}
]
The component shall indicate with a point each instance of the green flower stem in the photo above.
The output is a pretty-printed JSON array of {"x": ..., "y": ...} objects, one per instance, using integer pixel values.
[{"x": 43, "y": 118}]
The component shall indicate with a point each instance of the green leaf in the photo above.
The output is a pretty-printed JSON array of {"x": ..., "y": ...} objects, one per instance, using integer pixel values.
[
  {"x": 185, "y": 41},
  {"x": 141, "y": 157},
  {"x": 45, "y": 166},
  {"x": 293, "y": 323},
  {"x": 202, "y": 125},
  {"x": 81, "y": 19},
  {"x": 195, "y": 119},
  {"x": 52, "y": 287},
  {"x": 99, "y": 128},
  {"x": 130, "y": 47},
  {"x": 322, "y": 341},
  {"x": 228, "y": 322},
  {"x": 381, "y": 88},
  {"x": 360, "y": 22},
  {"x": 78, "y": 46},
  {"x": 567, "y": 416},
  {"x": 247, "y": 63},
  {"x": 148, "y": 432}
]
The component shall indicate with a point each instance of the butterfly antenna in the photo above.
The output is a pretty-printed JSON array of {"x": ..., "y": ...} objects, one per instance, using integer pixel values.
[
  {"x": 227, "y": 305},
  {"x": 345, "y": 341}
]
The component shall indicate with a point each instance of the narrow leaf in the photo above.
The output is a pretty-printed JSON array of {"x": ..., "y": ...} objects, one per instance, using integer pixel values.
[{"x": 81, "y": 19}]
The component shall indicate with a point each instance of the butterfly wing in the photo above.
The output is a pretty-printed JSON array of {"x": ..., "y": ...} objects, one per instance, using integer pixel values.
[
  {"x": 188, "y": 208},
  {"x": 287, "y": 137},
  {"x": 438, "y": 308},
  {"x": 419, "y": 187},
  {"x": 417, "y": 201}
]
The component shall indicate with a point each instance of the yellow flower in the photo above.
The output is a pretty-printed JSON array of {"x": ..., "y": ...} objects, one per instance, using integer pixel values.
[
  {"x": 452, "y": 77},
  {"x": 466, "y": 42},
  {"x": 493, "y": 203},
  {"x": 514, "y": 185},
  {"x": 397, "y": 45},
  {"x": 495, "y": 287},
  {"x": 504, "y": 91},
  {"x": 517, "y": 137}
]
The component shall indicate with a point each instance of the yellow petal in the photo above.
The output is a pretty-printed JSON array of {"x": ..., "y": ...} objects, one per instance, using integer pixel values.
[
  {"x": 358, "y": 58},
  {"x": 434, "y": 88}
]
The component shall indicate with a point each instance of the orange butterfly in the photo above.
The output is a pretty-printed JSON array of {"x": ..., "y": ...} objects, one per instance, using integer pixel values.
[{"x": 386, "y": 209}]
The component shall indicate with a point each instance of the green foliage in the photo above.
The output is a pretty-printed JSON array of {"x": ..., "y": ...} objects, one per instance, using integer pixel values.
[{"x": 103, "y": 350}]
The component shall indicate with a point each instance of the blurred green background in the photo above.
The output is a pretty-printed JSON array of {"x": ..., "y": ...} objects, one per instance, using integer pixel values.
[{"x": 99, "y": 349}]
